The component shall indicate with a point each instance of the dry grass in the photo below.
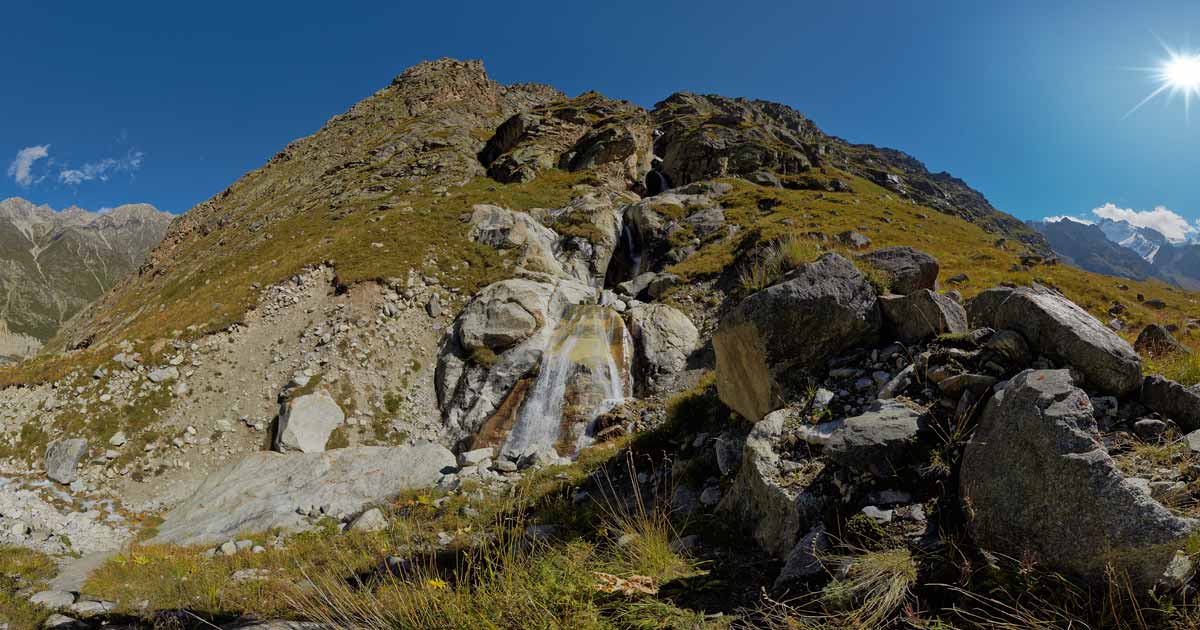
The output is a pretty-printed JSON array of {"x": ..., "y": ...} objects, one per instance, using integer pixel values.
[
  {"x": 1181, "y": 368},
  {"x": 22, "y": 571}
]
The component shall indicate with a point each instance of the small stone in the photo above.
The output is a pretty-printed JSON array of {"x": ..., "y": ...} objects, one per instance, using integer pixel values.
[
  {"x": 878, "y": 515},
  {"x": 53, "y": 599},
  {"x": 1149, "y": 428},
  {"x": 228, "y": 548}
]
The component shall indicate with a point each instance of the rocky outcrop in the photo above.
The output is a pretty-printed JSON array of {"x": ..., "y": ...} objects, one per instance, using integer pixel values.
[
  {"x": 920, "y": 315},
  {"x": 1058, "y": 328},
  {"x": 907, "y": 269},
  {"x": 269, "y": 490},
  {"x": 821, "y": 309},
  {"x": 1035, "y": 478},
  {"x": 664, "y": 338},
  {"x": 306, "y": 422},
  {"x": 588, "y": 132},
  {"x": 668, "y": 225}
]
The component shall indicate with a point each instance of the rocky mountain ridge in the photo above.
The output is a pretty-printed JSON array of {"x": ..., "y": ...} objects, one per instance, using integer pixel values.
[{"x": 53, "y": 263}]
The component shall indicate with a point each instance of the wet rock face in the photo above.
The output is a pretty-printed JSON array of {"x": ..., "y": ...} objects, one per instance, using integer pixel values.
[
  {"x": 1060, "y": 329},
  {"x": 821, "y": 309},
  {"x": 1035, "y": 478}
]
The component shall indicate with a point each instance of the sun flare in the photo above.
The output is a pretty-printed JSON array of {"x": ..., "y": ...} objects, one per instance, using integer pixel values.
[{"x": 1177, "y": 75}]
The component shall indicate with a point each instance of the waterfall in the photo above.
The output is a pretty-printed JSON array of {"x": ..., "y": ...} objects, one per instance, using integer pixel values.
[{"x": 585, "y": 372}]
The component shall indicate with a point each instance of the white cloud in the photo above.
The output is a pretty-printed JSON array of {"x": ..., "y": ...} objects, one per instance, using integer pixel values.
[
  {"x": 1169, "y": 223},
  {"x": 1064, "y": 217},
  {"x": 21, "y": 167},
  {"x": 102, "y": 170}
]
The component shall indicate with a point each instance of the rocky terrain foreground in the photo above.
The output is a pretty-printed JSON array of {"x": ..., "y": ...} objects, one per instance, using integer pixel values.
[{"x": 477, "y": 355}]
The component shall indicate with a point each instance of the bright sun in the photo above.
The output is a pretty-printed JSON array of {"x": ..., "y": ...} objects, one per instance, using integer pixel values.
[{"x": 1178, "y": 75}]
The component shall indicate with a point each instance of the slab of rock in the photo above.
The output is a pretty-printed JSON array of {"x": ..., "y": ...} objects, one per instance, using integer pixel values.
[
  {"x": 306, "y": 422},
  {"x": 908, "y": 269},
  {"x": 1157, "y": 341},
  {"x": 1172, "y": 400},
  {"x": 372, "y": 520},
  {"x": 821, "y": 309},
  {"x": 1056, "y": 327},
  {"x": 1035, "y": 478},
  {"x": 664, "y": 338},
  {"x": 264, "y": 490},
  {"x": 62, "y": 459},
  {"x": 53, "y": 600},
  {"x": 879, "y": 440},
  {"x": 921, "y": 315}
]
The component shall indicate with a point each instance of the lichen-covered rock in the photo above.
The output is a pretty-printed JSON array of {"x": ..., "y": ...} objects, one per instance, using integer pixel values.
[
  {"x": 664, "y": 338},
  {"x": 821, "y": 309},
  {"x": 921, "y": 315},
  {"x": 907, "y": 269},
  {"x": 1058, "y": 328},
  {"x": 1036, "y": 479}
]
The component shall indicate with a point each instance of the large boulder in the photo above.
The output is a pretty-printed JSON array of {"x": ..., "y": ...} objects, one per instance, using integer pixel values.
[
  {"x": 908, "y": 270},
  {"x": 879, "y": 440},
  {"x": 1036, "y": 478},
  {"x": 920, "y": 315},
  {"x": 62, "y": 459},
  {"x": 1172, "y": 400},
  {"x": 768, "y": 497},
  {"x": 1056, "y": 327},
  {"x": 505, "y": 229},
  {"x": 664, "y": 338},
  {"x": 821, "y": 309},
  {"x": 306, "y": 422},
  {"x": 1157, "y": 341},
  {"x": 268, "y": 490}
]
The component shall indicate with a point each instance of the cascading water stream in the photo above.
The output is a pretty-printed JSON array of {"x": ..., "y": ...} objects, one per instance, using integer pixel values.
[{"x": 585, "y": 372}]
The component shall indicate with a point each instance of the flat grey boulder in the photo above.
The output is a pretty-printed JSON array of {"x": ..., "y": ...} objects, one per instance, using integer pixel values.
[
  {"x": 1035, "y": 478},
  {"x": 264, "y": 490},
  {"x": 1172, "y": 400},
  {"x": 908, "y": 269},
  {"x": 1056, "y": 327},
  {"x": 664, "y": 338},
  {"x": 306, "y": 422},
  {"x": 879, "y": 440},
  {"x": 921, "y": 314},
  {"x": 62, "y": 459},
  {"x": 163, "y": 375},
  {"x": 821, "y": 309}
]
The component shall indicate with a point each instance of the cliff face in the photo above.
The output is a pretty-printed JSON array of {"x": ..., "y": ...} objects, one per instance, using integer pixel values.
[{"x": 53, "y": 263}]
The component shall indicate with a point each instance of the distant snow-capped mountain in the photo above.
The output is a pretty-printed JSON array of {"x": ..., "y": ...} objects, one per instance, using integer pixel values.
[
  {"x": 1146, "y": 242},
  {"x": 1119, "y": 248}
]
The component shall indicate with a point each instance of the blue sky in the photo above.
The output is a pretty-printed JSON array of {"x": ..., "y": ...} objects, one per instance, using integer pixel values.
[{"x": 168, "y": 103}]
